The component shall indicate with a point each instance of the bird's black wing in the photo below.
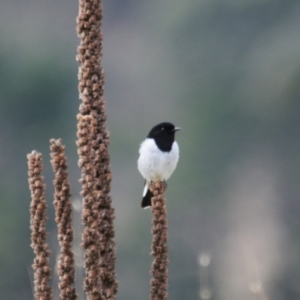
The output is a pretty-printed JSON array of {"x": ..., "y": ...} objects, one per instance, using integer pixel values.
[{"x": 146, "y": 202}]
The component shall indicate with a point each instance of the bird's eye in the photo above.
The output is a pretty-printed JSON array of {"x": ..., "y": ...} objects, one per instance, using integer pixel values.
[{"x": 163, "y": 128}]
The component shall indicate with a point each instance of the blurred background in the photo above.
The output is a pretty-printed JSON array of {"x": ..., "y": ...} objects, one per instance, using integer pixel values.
[{"x": 228, "y": 73}]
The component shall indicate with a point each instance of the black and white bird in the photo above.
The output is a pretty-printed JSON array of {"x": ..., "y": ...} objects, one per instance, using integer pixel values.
[{"x": 159, "y": 154}]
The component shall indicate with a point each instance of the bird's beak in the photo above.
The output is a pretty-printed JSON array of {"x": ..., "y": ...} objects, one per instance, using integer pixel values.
[{"x": 177, "y": 128}]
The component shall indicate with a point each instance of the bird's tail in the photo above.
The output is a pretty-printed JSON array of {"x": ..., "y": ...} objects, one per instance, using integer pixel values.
[{"x": 146, "y": 202}]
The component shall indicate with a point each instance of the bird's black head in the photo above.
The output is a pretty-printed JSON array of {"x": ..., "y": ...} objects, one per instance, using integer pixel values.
[{"x": 164, "y": 135}]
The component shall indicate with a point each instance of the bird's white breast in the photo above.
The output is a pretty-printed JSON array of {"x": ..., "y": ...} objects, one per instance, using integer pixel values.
[{"x": 155, "y": 165}]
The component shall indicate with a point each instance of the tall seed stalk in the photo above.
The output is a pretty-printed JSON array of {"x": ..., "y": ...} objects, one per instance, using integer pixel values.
[
  {"x": 159, "y": 270},
  {"x": 38, "y": 216},
  {"x": 63, "y": 217},
  {"x": 94, "y": 161}
]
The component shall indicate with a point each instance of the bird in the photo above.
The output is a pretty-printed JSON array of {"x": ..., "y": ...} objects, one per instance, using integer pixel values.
[{"x": 159, "y": 154}]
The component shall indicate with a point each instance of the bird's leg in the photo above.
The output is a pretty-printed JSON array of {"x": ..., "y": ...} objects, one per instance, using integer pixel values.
[{"x": 165, "y": 184}]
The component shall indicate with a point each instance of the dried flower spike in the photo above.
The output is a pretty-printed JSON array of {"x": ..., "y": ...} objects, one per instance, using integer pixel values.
[
  {"x": 94, "y": 161},
  {"x": 159, "y": 270},
  {"x": 63, "y": 218},
  {"x": 38, "y": 210}
]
